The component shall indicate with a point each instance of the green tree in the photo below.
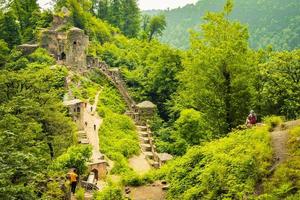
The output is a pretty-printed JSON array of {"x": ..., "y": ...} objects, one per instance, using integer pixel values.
[
  {"x": 4, "y": 51},
  {"x": 76, "y": 156},
  {"x": 103, "y": 9},
  {"x": 280, "y": 75},
  {"x": 116, "y": 13},
  {"x": 145, "y": 21},
  {"x": 33, "y": 124},
  {"x": 131, "y": 16},
  {"x": 27, "y": 12},
  {"x": 9, "y": 29},
  {"x": 77, "y": 13},
  {"x": 219, "y": 72},
  {"x": 192, "y": 127},
  {"x": 156, "y": 26}
]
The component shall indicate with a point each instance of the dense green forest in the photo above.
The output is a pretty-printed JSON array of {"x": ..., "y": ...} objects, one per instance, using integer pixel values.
[
  {"x": 203, "y": 96},
  {"x": 270, "y": 22}
]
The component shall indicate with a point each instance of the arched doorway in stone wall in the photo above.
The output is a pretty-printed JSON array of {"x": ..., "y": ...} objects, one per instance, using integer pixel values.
[
  {"x": 96, "y": 173},
  {"x": 62, "y": 56}
]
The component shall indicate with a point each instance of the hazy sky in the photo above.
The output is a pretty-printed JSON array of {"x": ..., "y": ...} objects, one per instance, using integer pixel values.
[{"x": 146, "y": 4}]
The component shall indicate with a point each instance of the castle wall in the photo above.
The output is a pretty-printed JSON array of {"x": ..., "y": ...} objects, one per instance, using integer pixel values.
[{"x": 49, "y": 41}]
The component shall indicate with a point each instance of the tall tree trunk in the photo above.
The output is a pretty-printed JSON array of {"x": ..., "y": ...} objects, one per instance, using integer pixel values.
[
  {"x": 227, "y": 93},
  {"x": 51, "y": 150}
]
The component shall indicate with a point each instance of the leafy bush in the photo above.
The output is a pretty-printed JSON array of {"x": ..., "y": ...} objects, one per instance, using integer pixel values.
[
  {"x": 110, "y": 99},
  {"x": 80, "y": 194},
  {"x": 134, "y": 179},
  {"x": 41, "y": 56},
  {"x": 118, "y": 140},
  {"x": 273, "y": 121},
  {"x": 111, "y": 192},
  {"x": 76, "y": 156},
  {"x": 192, "y": 127},
  {"x": 117, "y": 134},
  {"x": 83, "y": 88}
]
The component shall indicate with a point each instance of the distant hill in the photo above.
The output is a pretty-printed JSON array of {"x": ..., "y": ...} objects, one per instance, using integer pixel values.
[{"x": 273, "y": 22}]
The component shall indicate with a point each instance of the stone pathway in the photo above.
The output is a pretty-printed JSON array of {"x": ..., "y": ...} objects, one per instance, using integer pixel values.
[
  {"x": 92, "y": 123},
  {"x": 139, "y": 164}
]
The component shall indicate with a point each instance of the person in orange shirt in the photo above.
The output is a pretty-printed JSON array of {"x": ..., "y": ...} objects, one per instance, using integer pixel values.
[{"x": 73, "y": 176}]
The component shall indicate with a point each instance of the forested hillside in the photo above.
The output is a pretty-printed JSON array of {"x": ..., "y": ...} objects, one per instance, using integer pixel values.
[
  {"x": 88, "y": 87},
  {"x": 270, "y": 22}
]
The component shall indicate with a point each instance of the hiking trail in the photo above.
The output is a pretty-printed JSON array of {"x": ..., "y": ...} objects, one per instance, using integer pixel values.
[{"x": 279, "y": 139}]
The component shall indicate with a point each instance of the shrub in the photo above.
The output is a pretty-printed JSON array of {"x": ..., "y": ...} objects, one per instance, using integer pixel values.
[
  {"x": 134, "y": 179},
  {"x": 80, "y": 194},
  {"x": 228, "y": 168},
  {"x": 76, "y": 156},
  {"x": 111, "y": 192},
  {"x": 273, "y": 121},
  {"x": 41, "y": 56}
]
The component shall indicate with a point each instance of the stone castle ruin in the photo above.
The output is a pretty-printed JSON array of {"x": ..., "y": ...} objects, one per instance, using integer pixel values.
[
  {"x": 67, "y": 45},
  {"x": 68, "y": 48}
]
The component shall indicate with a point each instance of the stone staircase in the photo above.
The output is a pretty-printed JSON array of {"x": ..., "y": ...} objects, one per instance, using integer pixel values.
[{"x": 147, "y": 146}]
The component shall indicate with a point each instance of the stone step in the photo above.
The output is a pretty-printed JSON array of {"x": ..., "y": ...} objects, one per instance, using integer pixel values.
[
  {"x": 146, "y": 147},
  {"x": 142, "y": 128},
  {"x": 155, "y": 164},
  {"x": 149, "y": 154},
  {"x": 144, "y": 134},
  {"x": 84, "y": 141},
  {"x": 82, "y": 134},
  {"x": 82, "y": 138},
  {"x": 145, "y": 140}
]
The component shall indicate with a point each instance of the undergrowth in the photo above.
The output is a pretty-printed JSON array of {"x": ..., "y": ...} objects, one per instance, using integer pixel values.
[
  {"x": 83, "y": 88},
  {"x": 227, "y": 168}
]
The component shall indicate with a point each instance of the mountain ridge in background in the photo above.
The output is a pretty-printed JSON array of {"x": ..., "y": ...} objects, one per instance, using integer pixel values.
[{"x": 270, "y": 22}]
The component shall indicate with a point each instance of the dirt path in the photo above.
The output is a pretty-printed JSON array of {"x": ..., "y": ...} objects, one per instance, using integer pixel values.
[
  {"x": 279, "y": 139},
  {"x": 139, "y": 164},
  {"x": 149, "y": 192}
]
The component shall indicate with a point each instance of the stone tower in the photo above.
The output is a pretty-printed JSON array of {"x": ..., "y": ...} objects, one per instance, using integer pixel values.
[
  {"x": 76, "y": 47},
  {"x": 67, "y": 45},
  {"x": 146, "y": 111}
]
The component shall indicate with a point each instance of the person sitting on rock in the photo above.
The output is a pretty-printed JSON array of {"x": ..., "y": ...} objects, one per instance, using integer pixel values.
[{"x": 251, "y": 119}]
